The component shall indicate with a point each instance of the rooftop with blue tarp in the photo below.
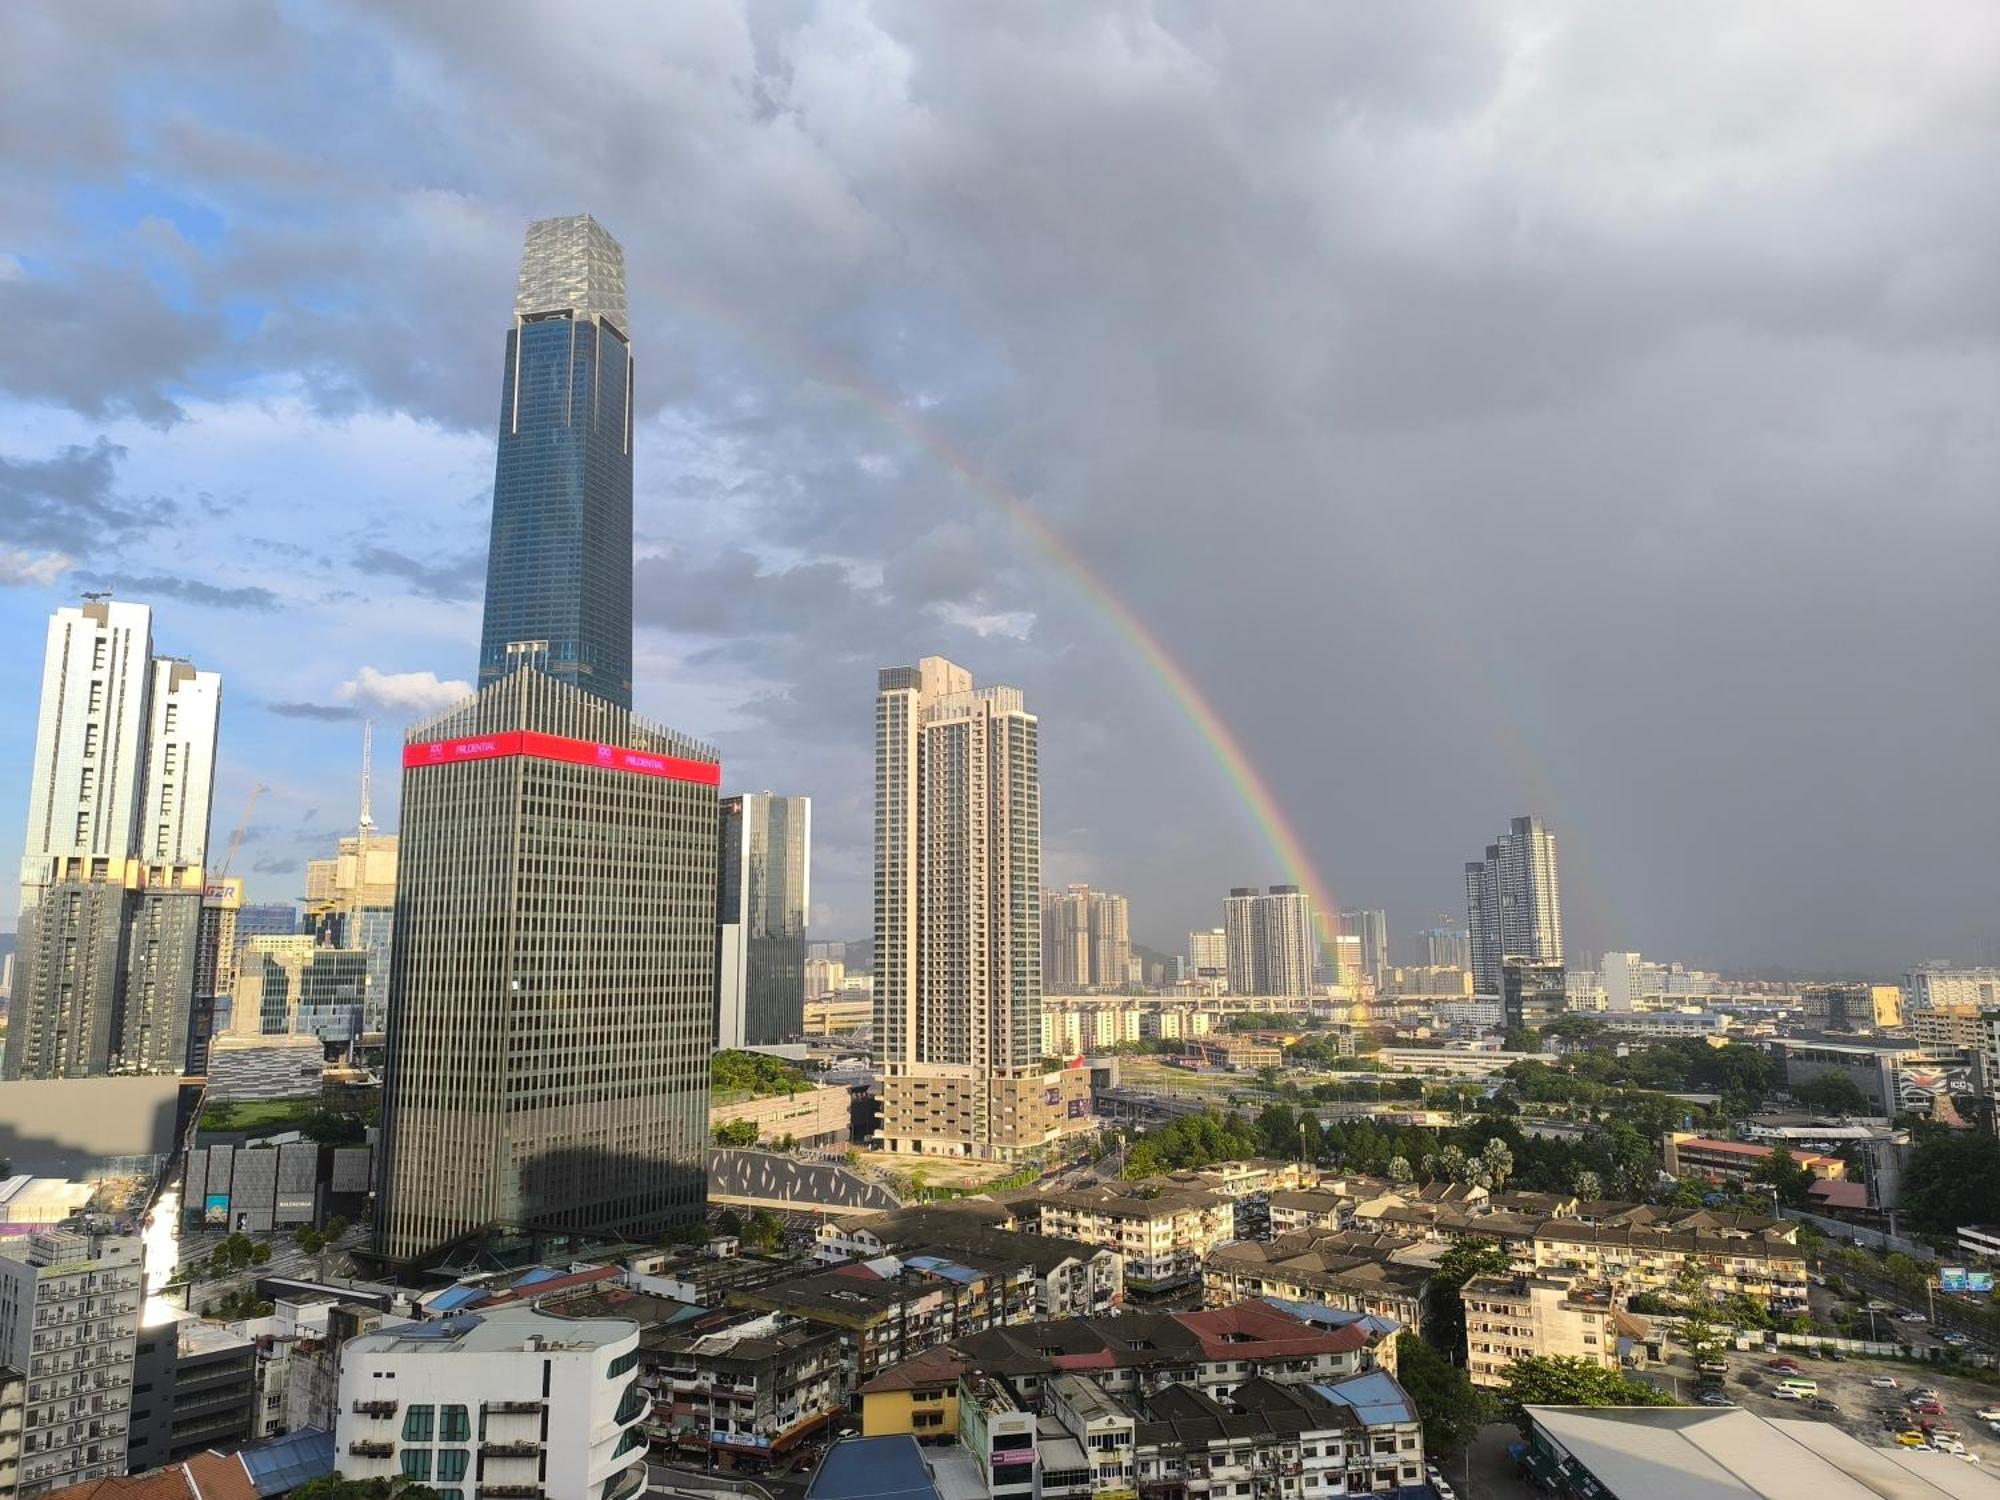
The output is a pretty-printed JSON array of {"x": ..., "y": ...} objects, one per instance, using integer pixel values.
[
  {"x": 1375, "y": 1397},
  {"x": 873, "y": 1468},
  {"x": 1325, "y": 1316},
  {"x": 281, "y": 1464}
]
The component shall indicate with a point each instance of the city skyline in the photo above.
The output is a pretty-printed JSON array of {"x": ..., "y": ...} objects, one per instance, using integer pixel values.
[{"x": 272, "y": 412}]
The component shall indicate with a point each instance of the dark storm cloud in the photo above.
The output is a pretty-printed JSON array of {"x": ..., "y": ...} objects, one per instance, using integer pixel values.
[
  {"x": 461, "y": 576},
  {"x": 331, "y": 713},
  {"x": 150, "y": 586},
  {"x": 70, "y": 500},
  {"x": 1583, "y": 411}
]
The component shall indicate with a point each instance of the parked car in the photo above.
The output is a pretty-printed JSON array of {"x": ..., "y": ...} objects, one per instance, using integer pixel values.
[
  {"x": 1713, "y": 1398},
  {"x": 1786, "y": 1393},
  {"x": 1712, "y": 1366},
  {"x": 1788, "y": 1366},
  {"x": 1882, "y": 1382},
  {"x": 1838, "y": 1356},
  {"x": 1820, "y": 1403},
  {"x": 1911, "y": 1317},
  {"x": 1988, "y": 1414},
  {"x": 1911, "y": 1440},
  {"x": 1947, "y": 1445},
  {"x": 1928, "y": 1409}
]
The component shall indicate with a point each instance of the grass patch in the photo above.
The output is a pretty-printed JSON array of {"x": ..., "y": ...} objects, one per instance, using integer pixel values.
[{"x": 258, "y": 1114}]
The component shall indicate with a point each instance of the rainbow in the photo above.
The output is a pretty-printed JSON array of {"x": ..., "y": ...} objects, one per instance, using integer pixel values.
[{"x": 1266, "y": 812}]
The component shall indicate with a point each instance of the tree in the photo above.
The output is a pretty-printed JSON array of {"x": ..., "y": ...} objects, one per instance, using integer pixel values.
[
  {"x": 736, "y": 1133},
  {"x": 1586, "y": 1184},
  {"x": 765, "y": 1231},
  {"x": 1953, "y": 1178},
  {"x": 1496, "y": 1164},
  {"x": 729, "y": 1222},
  {"x": 336, "y": 1486},
  {"x": 1453, "y": 1408},
  {"x": 1468, "y": 1257},
  {"x": 1399, "y": 1169},
  {"x": 1831, "y": 1094},
  {"x": 1781, "y": 1171},
  {"x": 260, "y": 1253},
  {"x": 1560, "y": 1380},
  {"x": 1701, "y": 1316}
]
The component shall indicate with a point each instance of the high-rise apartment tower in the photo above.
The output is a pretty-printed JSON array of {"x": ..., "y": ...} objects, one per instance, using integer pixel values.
[
  {"x": 1513, "y": 903},
  {"x": 1086, "y": 941},
  {"x": 559, "y": 563},
  {"x": 958, "y": 879},
  {"x": 111, "y": 878},
  {"x": 1272, "y": 946},
  {"x": 765, "y": 892}
]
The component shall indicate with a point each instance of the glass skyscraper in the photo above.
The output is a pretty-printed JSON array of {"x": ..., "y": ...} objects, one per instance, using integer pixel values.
[{"x": 559, "y": 566}]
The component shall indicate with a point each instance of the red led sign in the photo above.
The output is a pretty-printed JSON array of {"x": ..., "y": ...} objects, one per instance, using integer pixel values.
[{"x": 554, "y": 747}]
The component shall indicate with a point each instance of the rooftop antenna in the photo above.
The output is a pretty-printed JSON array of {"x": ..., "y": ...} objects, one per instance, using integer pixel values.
[
  {"x": 97, "y": 596},
  {"x": 367, "y": 776}
]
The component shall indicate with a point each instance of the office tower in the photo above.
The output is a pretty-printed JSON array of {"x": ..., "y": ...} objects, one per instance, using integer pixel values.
[
  {"x": 111, "y": 878},
  {"x": 351, "y": 904},
  {"x": 1372, "y": 928},
  {"x": 559, "y": 563},
  {"x": 1349, "y": 967},
  {"x": 1272, "y": 946},
  {"x": 764, "y": 894},
  {"x": 1533, "y": 991},
  {"x": 1086, "y": 941},
  {"x": 1513, "y": 902},
  {"x": 1444, "y": 948},
  {"x": 1621, "y": 978},
  {"x": 957, "y": 955},
  {"x": 552, "y": 978},
  {"x": 301, "y": 986},
  {"x": 1208, "y": 953},
  {"x": 69, "y": 1319},
  {"x": 552, "y": 989}
]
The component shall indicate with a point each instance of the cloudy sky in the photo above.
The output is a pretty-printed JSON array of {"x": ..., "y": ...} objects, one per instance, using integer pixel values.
[{"x": 1582, "y": 409}]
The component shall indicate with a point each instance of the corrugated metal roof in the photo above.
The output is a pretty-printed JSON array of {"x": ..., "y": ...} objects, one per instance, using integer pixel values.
[{"x": 873, "y": 1468}]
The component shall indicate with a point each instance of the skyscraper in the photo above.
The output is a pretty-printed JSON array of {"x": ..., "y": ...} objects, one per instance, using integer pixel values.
[
  {"x": 1372, "y": 927},
  {"x": 1208, "y": 953},
  {"x": 1513, "y": 903},
  {"x": 559, "y": 564},
  {"x": 1444, "y": 947},
  {"x": 1272, "y": 946},
  {"x": 958, "y": 878},
  {"x": 765, "y": 893},
  {"x": 111, "y": 878},
  {"x": 1086, "y": 941},
  {"x": 552, "y": 978}
]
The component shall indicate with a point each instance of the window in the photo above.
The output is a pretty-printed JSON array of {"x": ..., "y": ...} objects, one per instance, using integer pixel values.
[
  {"x": 453, "y": 1462},
  {"x": 621, "y": 1364},
  {"x": 417, "y": 1426},
  {"x": 454, "y": 1426},
  {"x": 416, "y": 1463}
]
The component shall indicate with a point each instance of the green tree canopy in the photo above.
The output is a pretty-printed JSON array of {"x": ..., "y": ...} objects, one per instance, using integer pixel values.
[
  {"x": 1453, "y": 1408},
  {"x": 1832, "y": 1094},
  {"x": 1468, "y": 1257},
  {"x": 1560, "y": 1380},
  {"x": 756, "y": 1074},
  {"x": 736, "y": 1133},
  {"x": 1953, "y": 1178}
]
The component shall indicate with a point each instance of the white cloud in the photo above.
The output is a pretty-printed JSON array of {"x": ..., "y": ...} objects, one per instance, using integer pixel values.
[
  {"x": 412, "y": 693},
  {"x": 38, "y": 569}
]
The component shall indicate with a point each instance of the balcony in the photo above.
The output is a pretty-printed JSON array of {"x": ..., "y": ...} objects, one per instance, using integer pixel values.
[
  {"x": 375, "y": 1409},
  {"x": 371, "y": 1448},
  {"x": 509, "y": 1450}
]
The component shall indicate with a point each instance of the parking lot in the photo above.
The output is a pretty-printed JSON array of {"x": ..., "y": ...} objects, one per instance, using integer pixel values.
[{"x": 1750, "y": 1384}]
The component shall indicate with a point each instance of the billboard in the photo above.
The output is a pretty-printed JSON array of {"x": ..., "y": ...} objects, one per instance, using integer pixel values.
[
  {"x": 1959, "y": 1279},
  {"x": 217, "y": 1208}
]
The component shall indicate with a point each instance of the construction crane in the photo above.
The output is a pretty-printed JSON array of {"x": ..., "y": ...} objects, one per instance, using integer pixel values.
[
  {"x": 367, "y": 776},
  {"x": 242, "y": 827}
]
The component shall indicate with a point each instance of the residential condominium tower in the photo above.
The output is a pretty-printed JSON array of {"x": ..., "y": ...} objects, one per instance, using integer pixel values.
[
  {"x": 111, "y": 877},
  {"x": 765, "y": 890},
  {"x": 1513, "y": 903},
  {"x": 1086, "y": 941},
  {"x": 958, "y": 878},
  {"x": 1271, "y": 942},
  {"x": 559, "y": 562}
]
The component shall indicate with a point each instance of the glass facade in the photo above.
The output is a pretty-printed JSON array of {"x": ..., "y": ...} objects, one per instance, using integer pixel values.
[
  {"x": 765, "y": 887},
  {"x": 559, "y": 563}
]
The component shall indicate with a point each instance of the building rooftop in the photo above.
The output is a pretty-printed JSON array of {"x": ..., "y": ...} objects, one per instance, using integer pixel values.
[
  {"x": 873, "y": 1468},
  {"x": 1697, "y": 1453},
  {"x": 508, "y": 1330}
]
